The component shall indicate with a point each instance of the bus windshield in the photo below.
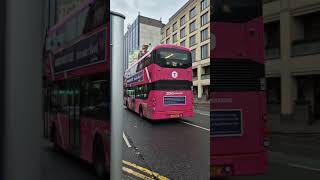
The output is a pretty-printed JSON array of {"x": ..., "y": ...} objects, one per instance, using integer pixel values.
[
  {"x": 236, "y": 11},
  {"x": 173, "y": 58}
]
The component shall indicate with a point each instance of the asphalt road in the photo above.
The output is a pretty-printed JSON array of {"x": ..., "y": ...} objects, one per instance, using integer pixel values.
[
  {"x": 291, "y": 156},
  {"x": 283, "y": 167},
  {"x": 61, "y": 166},
  {"x": 174, "y": 149},
  {"x": 179, "y": 149}
]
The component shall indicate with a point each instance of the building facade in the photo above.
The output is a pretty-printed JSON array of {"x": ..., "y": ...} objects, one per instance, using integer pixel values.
[
  {"x": 143, "y": 31},
  {"x": 292, "y": 44},
  {"x": 190, "y": 27}
]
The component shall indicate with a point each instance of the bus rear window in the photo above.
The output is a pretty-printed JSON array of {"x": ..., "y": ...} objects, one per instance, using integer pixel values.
[
  {"x": 173, "y": 58},
  {"x": 236, "y": 11}
]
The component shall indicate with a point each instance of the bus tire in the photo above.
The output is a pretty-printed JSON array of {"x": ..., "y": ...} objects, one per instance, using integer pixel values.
[
  {"x": 127, "y": 105},
  {"x": 98, "y": 156},
  {"x": 141, "y": 112}
]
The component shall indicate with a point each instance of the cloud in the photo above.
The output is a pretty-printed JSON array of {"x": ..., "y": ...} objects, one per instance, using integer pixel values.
[{"x": 150, "y": 8}]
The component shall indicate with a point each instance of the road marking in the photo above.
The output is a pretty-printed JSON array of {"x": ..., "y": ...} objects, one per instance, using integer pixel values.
[
  {"x": 126, "y": 140},
  {"x": 195, "y": 125},
  {"x": 144, "y": 170},
  {"x": 202, "y": 112},
  {"x": 303, "y": 167},
  {"x": 132, "y": 172}
]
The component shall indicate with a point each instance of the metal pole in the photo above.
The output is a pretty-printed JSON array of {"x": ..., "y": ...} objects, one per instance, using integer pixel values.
[
  {"x": 24, "y": 27},
  {"x": 2, "y": 77},
  {"x": 117, "y": 25}
]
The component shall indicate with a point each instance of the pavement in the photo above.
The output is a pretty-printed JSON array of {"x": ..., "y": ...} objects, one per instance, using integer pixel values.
[
  {"x": 294, "y": 128},
  {"x": 302, "y": 145},
  {"x": 171, "y": 149}
]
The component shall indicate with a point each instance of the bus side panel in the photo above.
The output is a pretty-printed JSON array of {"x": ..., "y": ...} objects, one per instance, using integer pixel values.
[
  {"x": 166, "y": 73},
  {"x": 251, "y": 120},
  {"x": 90, "y": 129},
  {"x": 60, "y": 121},
  {"x": 248, "y": 164},
  {"x": 249, "y": 34},
  {"x": 86, "y": 138},
  {"x": 103, "y": 129},
  {"x": 230, "y": 46}
]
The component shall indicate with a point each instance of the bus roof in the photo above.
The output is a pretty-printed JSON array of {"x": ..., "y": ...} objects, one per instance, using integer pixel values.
[
  {"x": 70, "y": 15},
  {"x": 159, "y": 46},
  {"x": 170, "y": 46}
]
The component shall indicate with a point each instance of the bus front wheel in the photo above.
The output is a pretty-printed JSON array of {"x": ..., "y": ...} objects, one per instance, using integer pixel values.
[
  {"x": 141, "y": 112},
  {"x": 127, "y": 105}
]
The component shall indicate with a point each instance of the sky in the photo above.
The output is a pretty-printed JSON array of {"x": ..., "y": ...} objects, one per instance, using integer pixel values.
[{"x": 155, "y": 9}]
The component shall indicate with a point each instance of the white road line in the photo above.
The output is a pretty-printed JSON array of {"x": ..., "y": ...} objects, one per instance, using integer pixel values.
[
  {"x": 126, "y": 140},
  {"x": 303, "y": 167},
  {"x": 195, "y": 125},
  {"x": 201, "y": 112}
]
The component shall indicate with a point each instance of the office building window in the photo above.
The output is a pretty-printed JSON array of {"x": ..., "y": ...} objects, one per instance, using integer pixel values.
[
  {"x": 174, "y": 26},
  {"x": 204, "y": 4},
  {"x": 192, "y": 41},
  {"x": 168, "y": 41},
  {"x": 192, "y": 13},
  {"x": 192, "y": 26},
  {"x": 168, "y": 32},
  {"x": 204, "y": 19},
  {"x": 183, "y": 32},
  {"x": 175, "y": 38},
  {"x": 183, "y": 43},
  {"x": 193, "y": 55},
  {"x": 182, "y": 20},
  {"x": 204, "y": 51},
  {"x": 204, "y": 34}
]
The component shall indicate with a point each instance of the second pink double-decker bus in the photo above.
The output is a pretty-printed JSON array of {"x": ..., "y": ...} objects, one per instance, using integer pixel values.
[
  {"x": 238, "y": 107},
  {"x": 159, "y": 85}
]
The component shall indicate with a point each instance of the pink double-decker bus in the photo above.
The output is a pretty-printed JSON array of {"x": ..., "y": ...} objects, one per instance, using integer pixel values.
[
  {"x": 238, "y": 106},
  {"x": 159, "y": 85},
  {"x": 79, "y": 84}
]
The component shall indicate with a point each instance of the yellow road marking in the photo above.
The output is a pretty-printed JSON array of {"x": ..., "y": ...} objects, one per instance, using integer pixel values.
[
  {"x": 130, "y": 171},
  {"x": 147, "y": 171}
]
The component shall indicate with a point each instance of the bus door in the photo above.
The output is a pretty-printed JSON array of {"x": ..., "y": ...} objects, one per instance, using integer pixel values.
[
  {"x": 133, "y": 98},
  {"x": 74, "y": 115}
]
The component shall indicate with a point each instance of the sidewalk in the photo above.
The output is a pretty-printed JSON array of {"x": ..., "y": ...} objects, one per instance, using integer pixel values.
[
  {"x": 278, "y": 127},
  {"x": 302, "y": 145},
  {"x": 293, "y": 160}
]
